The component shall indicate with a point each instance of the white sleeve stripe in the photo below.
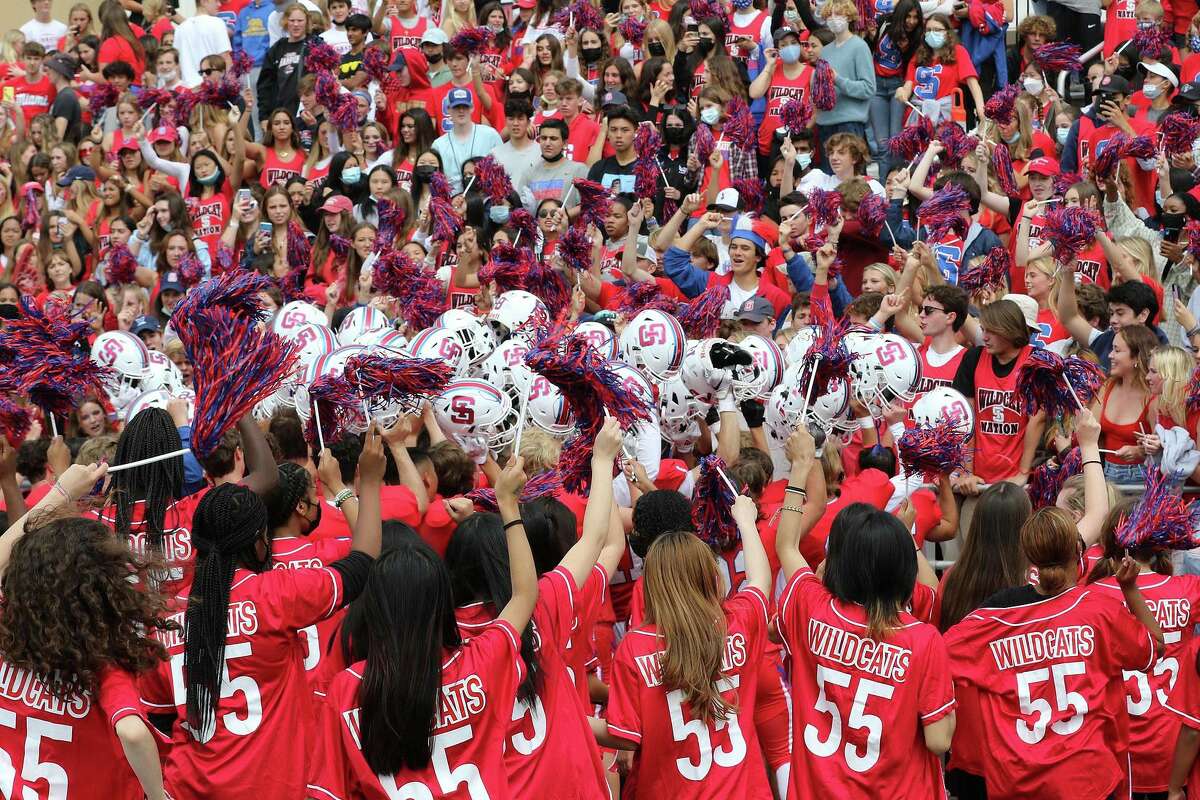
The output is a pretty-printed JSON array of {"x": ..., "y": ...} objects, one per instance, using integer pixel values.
[
  {"x": 336, "y": 593},
  {"x": 146, "y": 702},
  {"x": 121, "y": 712},
  {"x": 312, "y": 787},
  {"x": 786, "y": 600},
  {"x": 935, "y": 712},
  {"x": 626, "y": 734},
  {"x": 1180, "y": 713},
  {"x": 514, "y": 641},
  {"x": 1153, "y": 654},
  {"x": 567, "y": 582},
  {"x": 757, "y": 595}
]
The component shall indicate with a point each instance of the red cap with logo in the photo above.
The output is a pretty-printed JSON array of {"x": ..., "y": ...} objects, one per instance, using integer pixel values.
[{"x": 1044, "y": 166}]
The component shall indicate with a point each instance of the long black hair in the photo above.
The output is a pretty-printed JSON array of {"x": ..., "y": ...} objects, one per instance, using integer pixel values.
[
  {"x": 550, "y": 528},
  {"x": 195, "y": 187},
  {"x": 151, "y": 433},
  {"x": 228, "y": 523},
  {"x": 477, "y": 558},
  {"x": 408, "y": 624},
  {"x": 871, "y": 562},
  {"x": 293, "y": 486}
]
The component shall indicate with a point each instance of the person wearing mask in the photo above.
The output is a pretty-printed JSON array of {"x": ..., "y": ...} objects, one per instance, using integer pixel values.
[
  {"x": 201, "y": 36},
  {"x": 466, "y": 139},
  {"x": 552, "y": 176},
  {"x": 433, "y": 47},
  {"x": 853, "y": 70},
  {"x": 784, "y": 78},
  {"x": 279, "y": 80},
  {"x": 1158, "y": 88}
]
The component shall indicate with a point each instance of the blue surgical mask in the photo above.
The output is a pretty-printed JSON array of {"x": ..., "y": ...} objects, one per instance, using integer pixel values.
[
  {"x": 498, "y": 214},
  {"x": 710, "y": 115},
  {"x": 804, "y": 160},
  {"x": 1014, "y": 138},
  {"x": 351, "y": 175},
  {"x": 935, "y": 39},
  {"x": 789, "y": 53},
  {"x": 1061, "y": 135},
  {"x": 741, "y": 4},
  {"x": 1194, "y": 43},
  {"x": 210, "y": 179}
]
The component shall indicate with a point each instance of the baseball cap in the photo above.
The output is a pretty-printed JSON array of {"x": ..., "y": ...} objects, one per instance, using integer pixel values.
[
  {"x": 62, "y": 65},
  {"x": 360, "y": 21},
  {"x": 79, "y": 173},
  {"x": 163, "y": 133},
  {"x": 436, "y": 36},
  {"x": 756, "y": 309},
  {"x": 399, "y": 63},
  {"x": 1161, "y": 70},
  {"x": 1043, "y": 166},
  {"x": 727, "y": 200},
  {"x": 337, "y": 203},
  {"x": 128, "y": 144},
  {"x": 784, "y": 31},
  {"x": 1190, "y": 91},
  {"x": 644, "y": 250},
  {"x": 171, "y": 282},
  {"x": 1113, "y": 84},
  {"x": 144, "y": 324},
  {"x": 1029, "y": 309},
  {"x": 526, "y": 3},
  {"x": 460, "y": 97},
  {"x": 613, "y": 98}
]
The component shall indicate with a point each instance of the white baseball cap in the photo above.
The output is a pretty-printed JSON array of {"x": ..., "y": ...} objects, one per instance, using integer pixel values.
[
  {"x": 727, "y": 200},
  {"x": 1029, "y": 309}
]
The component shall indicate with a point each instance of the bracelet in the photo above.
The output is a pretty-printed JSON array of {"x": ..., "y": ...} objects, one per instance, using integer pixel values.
[
  {"x": 513, "y": 523},
  {"x": 342, "y": 497},
  {"x": 797, "y": 490},
  {"x": 63, "y": 492},
  {"x": 1095, "y": 461},
  {"x": 793, "y": 508}
]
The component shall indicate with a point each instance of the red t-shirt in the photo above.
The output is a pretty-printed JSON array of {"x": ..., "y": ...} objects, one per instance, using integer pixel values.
[
  {"x": 263, "y": 724},
  {"x": 479, "y": 686},
  {"x": 66, "y": 748},
  {"x": 438, "y": 526},
  {"x": 1184, "y": 703},
  {"x": 178, "y": 558},
  {"x": 550, "y": 744},
  {"x": 581, "y": 135},
  {"x": 1050, "y": 330},
  {"x": 871, "y": 486},
  {"x": 33, "y": 97},
  {"x": 1171, "y": 599},
  {"x": 1043, "y": 672},
  {"x": 290, "y": 552},
  {"x": 677, "y": 749},
  {"x": 1000, "y": 420},
  {"x": 115, "y": 49},
  {"x": 860, "y": 705},
  {"x": 938, "y": 80}
]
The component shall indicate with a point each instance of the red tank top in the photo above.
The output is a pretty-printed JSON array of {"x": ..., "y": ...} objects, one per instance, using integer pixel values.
[
  {"x": 211, "y": 215},
  {"x": 1000, "y": 420},
  {"x": 459, "y": 296},
  {"x": 406, "y": 37},
  {"x": 1114, "y": 436},
  {"x": 276, "y": 171},
  {"x": 781, "y": 90},
  {"x": 933, "y": 376},
  {"x": 699, "y": 79},
  {"x": 1092, "y": 267}
]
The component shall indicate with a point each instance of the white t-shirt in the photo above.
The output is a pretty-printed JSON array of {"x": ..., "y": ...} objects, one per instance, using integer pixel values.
[
  {"x": 518, "y": 162},
  {"x": 46, "y": 34},
  {"x": 816, "y": 179},
  {"x": 455, "y": 150},
  {"x": 196, "y": 38}
]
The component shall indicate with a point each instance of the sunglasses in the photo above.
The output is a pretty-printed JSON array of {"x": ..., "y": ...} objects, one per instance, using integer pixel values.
[
  {"x": 210, "y": 70},
  {"x": 928, "y": 310},
  {"x": 546, "y": 212}
]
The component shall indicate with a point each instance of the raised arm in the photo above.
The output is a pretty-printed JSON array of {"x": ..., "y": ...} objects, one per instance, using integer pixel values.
[
  {"x": 262, "y": 474},
  {"x": 580, "y": 559},
  {"x": 1095, "y": 490},
  {"x": 368, "y": 528},
  {"x": 758, "y": 568},
  {"x": 1068, "y": 312},
  {"x": 522, "y": 573},
  {"x": 661, "y": 239},
  {"x": 14, "y": 501},
  {"x": 801, "y": 450},
  {"x": 71, "y": 487},
  {"x": 396, "y": 438}
]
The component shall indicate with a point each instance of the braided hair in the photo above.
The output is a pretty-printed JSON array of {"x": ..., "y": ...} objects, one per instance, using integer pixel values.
[
  {"x": 151, "y": 433},
  {"x": 294, "y": 483},
  {"x": 477, "y": 558},
  {"x": 228, "y": 523}
]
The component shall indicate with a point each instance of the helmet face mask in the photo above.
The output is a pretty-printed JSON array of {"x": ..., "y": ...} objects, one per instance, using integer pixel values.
[
  {"x": 129, "y": 360},
  {"x": 359, "y": 322},
  {"x": 517, "y": 313},
  {"x": 757, "y": 381}
]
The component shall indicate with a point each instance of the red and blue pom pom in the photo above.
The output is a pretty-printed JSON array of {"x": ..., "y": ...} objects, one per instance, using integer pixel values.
[
  {"x": 1161, "y": 520},
  {"x": 1070, "y": 230},
  {"x": 991, "y": 273},
  {"x": 420, "y": 295},
  {"x": 633, "y": 30},
  {"x": 945, "y": 211},
  {"x": 391, "y": 220},
  {"x": 507, "y": 266},
  {"x": 472, "y": 40},
  {"x": 575, "y": 248},
  {"x": 594, "y": 203},
  {"x": 1153, "y": 42},
  {"x": 120, "y": 265},
  {"x": 956, "y": 144},
  {"x": 1142, "y": 147},
  {"x": 824, "y": 208},
  {"x": 1179, "y": 132},
  {"x": 872, "y": 213},
  {"x": 240, "y": 63},
  {"x": 321, "y": 58},
  {"x": 647, "y": 143},
  {"x": 1001, "y": 106},
  {"x": 445, "y": 222},
  {"x": 709, "y": 9},
  {"x": 750, "y": 193},
  {"x": 796, "y": 115},
  {"x": 234, "y": 292},
  {"x": 740, "y": 128},
  {"x": 1047, "y": 479},
  {"x": 712, "y": 506},
  {"x": 828, "y": 359},
  {"x": 581, "y": 14},
  {"x": 933, "y": 450},
  {"x": 439, "y": 186},
  {"x": 492, "y": 178},
  {"x": 703, "y": 144},
  {"x": 1065, "y": 180},
  {"x": 524, "y": 224},
  {"x": 913, "y": 140},
  {"x": 15, "y": 421},
  {"x": 338, "y": 406},
  {"x": 191, "y": 270},
  {"x": 701, "y": 317},
  {"x": 100, "y": 97},
  {"x": 641, "y": 295},
  {"x": 1003, "y": 167},
  {"x": 1046, "y": 380},
  {"x": 407, "y": 381},
  {"x": 1059, "y": 56},
  {"x": 542, "y": 485},
  {"x": 1191, "y": 235},
  {"x": 824, "y": 95}
]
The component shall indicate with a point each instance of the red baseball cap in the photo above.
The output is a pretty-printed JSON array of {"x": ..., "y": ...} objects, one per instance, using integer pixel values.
[
  {"x": 1044, "y": 166},
  {"x": 163, "y": 133},
  {"x": 336, "y": 204}
]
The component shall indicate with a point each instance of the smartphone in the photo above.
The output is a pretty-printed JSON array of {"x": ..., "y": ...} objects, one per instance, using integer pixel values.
[
  {"x": 10, "y": 94},
  {"x": 266, "y": 227},
  {"x": 244, "y": 196}
]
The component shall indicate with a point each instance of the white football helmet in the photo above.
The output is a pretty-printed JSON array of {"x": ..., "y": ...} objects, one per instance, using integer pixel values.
[
  {"x": 497, "y": 368},
  {"x": 332, "y": 363},
  {"x": 359, "y": 321},
  {"x": 786, "y": 404},
  {"x": 519, "y": 313},
  {"x": 800, "y": 344},
  {"x": 129, "y": 360},
  {"x": 315, "y": 341},
  {"x": 900, "y": 367},
  {"x": 679, "y": 415},
  {"x": 705, "y": 382},
  {"x": 545, "y": 407},
  {"x": 944, "y": 405},
  {"x": 475, "y": 334},
  {"x": 295, "y": 315},
  {"x": 391, "y": 343},
  {"x": 157, "y": 398},
  {"x": 163, "y": 375},
  {"x": 441, "y": 343},
  {"x": 757, "y": 381},
  {"x": 636, "y": 384},
  {"x": 654, "y": 342},
  {"x": 600, "y": 337},
  {"x": 470, "y": 411}
]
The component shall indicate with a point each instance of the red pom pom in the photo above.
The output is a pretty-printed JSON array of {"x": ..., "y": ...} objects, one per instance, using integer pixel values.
[
  {"x": 1003, "y": 167},
  {"x": 1001, "y": 106},
  {"x": 872, "y": 213},
  {"x": 633, "y": 30},
  {"x": 740, "y": 128},
  {"x": 1060, "y": 56},
  {"x": 594, "y": 202},
  {"x": 796, "y": 115},
  {"x": 1161, "y": 520},
  {"x": 581, "y": 14},
  {"x": 947, "y": 210},
  {"x": 1070, "y": 231},
  {"x": 14, "y": 421},
  {"x": 647, "y": 143},
  {"x": 493, "y": 179},
  {"x": 703, "y": 144},
  {"x": 991, "y": 273},
  {"x": 120, "y": 266},
  {"x": 472, "y": 40},
  {"x": 712, "y": 506}
]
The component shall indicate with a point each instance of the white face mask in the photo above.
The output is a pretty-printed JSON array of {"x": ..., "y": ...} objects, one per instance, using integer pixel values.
[
  {"x": 837, "y": 25},
  {"x": 1151, "y": 90},
  {"x": 710, "y": 115},
  {"x": 1033, "y": 86},
  {"x": 804, "y": 160}
]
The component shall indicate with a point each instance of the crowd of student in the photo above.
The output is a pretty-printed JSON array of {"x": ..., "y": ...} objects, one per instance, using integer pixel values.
[{"x": 289, "y": 617}]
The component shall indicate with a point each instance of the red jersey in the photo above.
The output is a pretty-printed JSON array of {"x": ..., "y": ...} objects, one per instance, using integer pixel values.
[
  {"x": 870, "y": 486},
  {"x": 33, "y": 97},
  {"x": 178, "y": 558},
  {"x": 264, "y": 715},
  {"x": 1119, "y": 25},
  {"x": 1092, "y": 267},
  {"x": 581, "y": 135},
  {"x": 402, "y": 36},
  {"x": 1043, "y": 670},
  {"x": 678, "y": 750},
  {"x": 937, "y": 369},
  {"x": 57, "y": 748},
  {"x": 479, "y": 685},
  {"x": 579, "y": 648},
  {"x": 291, "y": 552},
  {"x": 1170, "y": 599},
  {"x": 211, "y": 215},
  {"x": 782, "y": 90},
  {"x": 938, "y": 80},
  {"x": 1184, "y": 703},
  {"x": 1000, "y": 420},
  {"x": 860, "y": 705},
  {"x": 1143, "y": 181},
  {"x": 551, "y": 751},
  {"x": 277, "y": 172}
]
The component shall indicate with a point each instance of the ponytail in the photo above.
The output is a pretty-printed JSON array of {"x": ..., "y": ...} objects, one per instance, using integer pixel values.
[{"x": 1051, "y": 543}]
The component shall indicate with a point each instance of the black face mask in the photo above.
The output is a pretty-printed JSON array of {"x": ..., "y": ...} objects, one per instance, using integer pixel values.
[
  {"x": 520, "y": 96},
  {"x": 1171, "y": 222},
  {"x": 674, "y": 136},
  {"x": 313, "y": 524},
  {"x": 590, "y": 54},
  {"x": 9, "y": 311},
  {"x": 552, "y": 159},
  {"x": 656, "y": 49},
  {"x": 705, "y": 46},
  {"x": 434, "y": 58},
  {"x": 423, "y": 172}
]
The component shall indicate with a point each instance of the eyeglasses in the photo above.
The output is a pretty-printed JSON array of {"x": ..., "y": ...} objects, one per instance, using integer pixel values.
[
  {"x": 928, "y": 310},
  {"x": 210, "y": 70},
  {"x": 546, "y": 212}
]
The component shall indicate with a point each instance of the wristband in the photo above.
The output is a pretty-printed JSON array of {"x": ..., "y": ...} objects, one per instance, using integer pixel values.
[
  {"x": 513, "y": 523},
  {"x": 865, "y": 423},
  {"x": 342, "y": 497},
  {"x": 1095, "y": 461},
  {"x": 793, "y": 508},
  {"x": 63, "y": 492},
  {"x": 1194, "y": 332}
]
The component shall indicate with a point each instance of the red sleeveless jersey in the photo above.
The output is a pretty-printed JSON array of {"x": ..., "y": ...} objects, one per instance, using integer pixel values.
[
  {"x": 932, "y": 375},
  {"x": 276, "y": 171},
  {"x": 781, "y": 90},
  {"x": 406, "y": 37},
  {"x": 1000, "y": 420}
]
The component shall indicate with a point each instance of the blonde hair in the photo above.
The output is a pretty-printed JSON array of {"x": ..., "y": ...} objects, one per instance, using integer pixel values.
[
  {"x": 1149, "y": 7},
  {"x": 1140, "y": 250},
  {"x": 540, "y": 450},
  {"x": 10, "y": 45},
  {"x": 1047, "y": 267},
  {"x": 98, "y": 449},
  {"x": 661, "y": 29},
  {"x": 153, "y": 9},
  {"x": 452, "y": 22},
  {"x": 1072, "y": 495},
  {"x": 841, "y": 8},
  {"x": 683, "y": 601},
  {"x": 1174, "y": 364},
  {"x": 885, "y": 271}
]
